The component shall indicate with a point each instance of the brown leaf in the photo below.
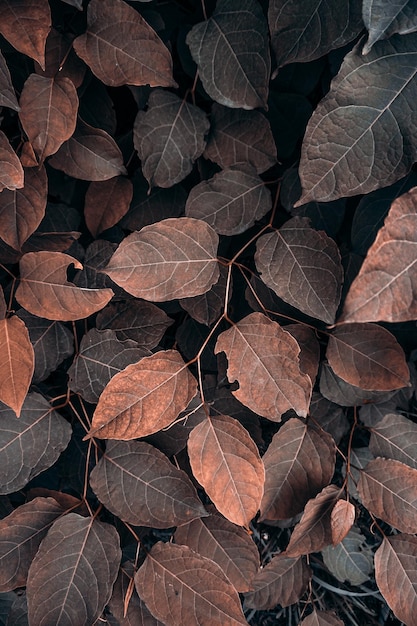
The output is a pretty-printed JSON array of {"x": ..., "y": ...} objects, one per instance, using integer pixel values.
[
  {"x": 44, "y": 290},
  {"x": 138, "y": 484},
  {"x": 11, "y": 170},
  {"x": 22, "y": 210},
  {"x": 106, "y": 202},
  {"x": 263, "y": 358},
  {"x": 396, "y": 575},
  {"x": 322, "y": 618},
  {"x": 208, "y": 307},
  {"x": 181, "y": 587},
  {"x": 310, "y": 348},
  {"x": 144, "y": 398},
  {"x": 388, "y": 489},
  {"x": 388, "y": 291},
  {"x": 48, "y": 112},
  {"x": 169, "y": 137},
  {"x": 352, "y": 559},
  {"x": 395, "y": 437},
  {"x": 226, "y": 462},
  {"x": 299, "y": 462},
  {"x": 3, "y": 305},
  {"x": 174, "y": 258},
  {"x": 303, "y": 267},
  {"x": 121, "y": 48},
  {"x": 282, "y": 581},
  {"x": 61, "y": 60},
  {"x": 7, "y": 94},
  {"x": 90, "y": 154},
  {"x": 26, "y": 24},
  {"x": 135, "y": 613},
  {"x": 341, "y": 520},
  {"x": 17, "y": 363}
]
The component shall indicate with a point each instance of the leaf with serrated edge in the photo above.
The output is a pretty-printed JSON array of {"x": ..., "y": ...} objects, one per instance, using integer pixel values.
[
  {"x": 17, "y": 363},
  {"x": 263, "y": 358},
  {"x": 395, "y": 437},
  {"x": 226, "y": 462},
  {"x": 145, "y": 397},
  {"x": 26, "y": 26}
]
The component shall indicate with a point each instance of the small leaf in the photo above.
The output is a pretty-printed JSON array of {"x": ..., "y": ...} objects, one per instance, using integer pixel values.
[
  {"x": 121, "y": 48},
  {"x": 106, "y": 202},
  {"x": 45, "y": 291},
  {"x": 138, "y": 483},
  {"x": 395, "y": 437},
  {"x": 396, "y": 575},
  {"x": 144, "y": 398},
  {"x": 351, "y": 560},
  {"x": 174, "y": 258},
  {"x": 385, "y": 19},
  {"x": 26, "y": 26},
  {"x": 17, "y": 363},
  {"x": 263, "y": 358},
  {"x": 341, "y": 520},
  {"x": 231, "y": 50},
  {"x": 190, "y": 588},
  {"x": 226, "y": 462},
  {"x": 11, "y": 170},
  {"x": 7, "y": 93},
  {"x": 169, "y": 137},
  {"x": 78, "y": 559}
]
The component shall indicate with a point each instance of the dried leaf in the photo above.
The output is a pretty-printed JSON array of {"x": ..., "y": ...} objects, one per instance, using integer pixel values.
[
  {"x": 341, "y": 520},
  {"x": 395, "y": 437},
  {"x": 263, "y": 358},
  {"x": 26, "y": 24},
  {"x": 106, "y": 202},
  {"x": 226, "y": 462},
  {"x": 17, "y": 363},
  {"x": 144, "y": 398},
  {"x": 44, "y": 290},
  {"x": 11, "y": 170},
  {"x": 7, "y": 93},
  {"x": 352, "y": 559},
  {"x": 175, "y": 258},
  {"x": 385, "y": 19}
]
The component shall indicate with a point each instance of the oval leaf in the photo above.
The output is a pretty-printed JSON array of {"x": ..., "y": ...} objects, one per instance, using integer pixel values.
[
  {"x": 341, "y": 520},
  {"x": 175, "y": 258},
  {"x": 106, "y": 202},
  {"x": 44, "y": 290},
  {"x": 352, "y": 559},
  {"x": 26, "y": 26},
  {"x": 11, "y": 170},
  {"x": 263, "y": 358},
  {"x": 17, "y": 363},
  {"x": 226, "y": 462},
  {"x": 395, "y": 437},
  {"x": 144, "y": 398}
]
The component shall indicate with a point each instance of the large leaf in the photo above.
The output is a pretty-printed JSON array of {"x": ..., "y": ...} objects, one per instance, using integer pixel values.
[
  {"x": 7, "y": 94},
  {"x": 144, "y": 398},
  {"x": 73, "y": 572},
  {"x": 175, "y": 258},
  {"x": 17, "y": 363},
  {"x": 106, "y": 202},
  {"x": 30, "y": 444},
  {"x": 263, "y": 358},
  {"x": 396, "y": 575},
  {"x": 226, "y": 462},
  {"x": 388, "y": 290},
  {"x": 303, "y": 267},
  {"x": 231, "y": 50},
  {"x": 388, "y": 489},
  {"x": 26, "y": 24},
  {"x": 138, "y": 483},
  {"x": 351, "y": 560},
  {"x": 45, "y": 291},
  {"x": 299, "y": 462},
  {"x": 121, "y": 48},
  {"x": 48, "y": 112},
  {"x": 383, "y": 19},
  {"x": 169, "y": 137},
  {"x": 11, "y": 171},
  {"x": 345, "y": 150},
  {"x": 190, "y": 588},
  {"x": 395, "y": 437}
]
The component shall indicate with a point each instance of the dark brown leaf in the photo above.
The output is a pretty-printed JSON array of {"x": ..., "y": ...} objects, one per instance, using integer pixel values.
[
  {"x": 106, "y": 202},
  {"x": 11, "y": 170},
  {"x": 26, "y": 24},
  {"x": 136, "y": 613},
  {"x": 121, "y": 48},
  {"x": 395, "y": 437},
  {"x": 17, "y": 363},
  {"x": 331, "y": 417},
  {"x": 61, "y": 60},
  {"x": 208, "y": 307},
  {"x": 310, "y": 348},
  {"x": 322, "y": 618},
  {"x": 340, "y": 392},
  {"x": 7, "y": 94}
]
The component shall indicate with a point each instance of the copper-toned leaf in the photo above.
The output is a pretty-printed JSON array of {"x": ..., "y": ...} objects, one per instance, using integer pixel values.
[
  {"x": 303, "y": 267},
  {"x": 230, "y": 202},
  {"x": 299, "y": 462},
  {"x": 207, "y": 308},
  {"x": 231, "y": 50},
  {"x": 90, "y": 154},
  {"x": 395, "y": 437},
  {"x": 314, "y": 531},
  {"x": 175, "y": 258},
  {"x": 73, "y": 571},
  {"x": 341, "y": 520},
  {"x": 125, "y": 604},
  {"x": 45, "y": 291},
  {"x": 263, "y": 358},
  {"x": 226, "y": 462},
  {"x": 388, "y": 489},
  {"x": 396, "y": 575},
  {"x": 121, "y": 48},
  {"x": 181, "y": 587},
  {"x": 282, "y": 581},
  {"x": 21, "y": 532},
  {"x": 7, "y": 94},
  {"x": 26, "y": 24},
  {"x": 30, "y": 444},
  {"x": 367, "y": 356},
  {"x": 17, "y": 363},
  {"x": 352, "y": 559},
  {"x": 138, "y": 483},
  {"x": 106, "y": 202},
  {"x": 48, "y": 112},
  {"x": 322, "y": 618},
  {"x": 388, "y": 291},
  {"x": 144, "y": 398},
  {"x": 22, "y": 210},
  {"x": 239, "y": 137},
  {"x": 11, "y": 170},
  {"x": 169, "y": 137},
  {"x": 230, "y": 546}
]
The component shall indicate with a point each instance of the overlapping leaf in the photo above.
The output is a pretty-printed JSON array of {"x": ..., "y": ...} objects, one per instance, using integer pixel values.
[
  {"x": 175, "y": 258},
  {"x": 207, "y": 308},
  {"x": 395, "y": 437},
  {"x": 11, "y": 171},
  {"x": 263, "y": 358},
  {"x": 385, "y": 19},
  {"x": 7, "y": 94},
  {"x": 106, "y": 202},
  {"x": 231, "y": 50},
  {"x": 135, "y": 613},
  {"x": 17, "y": 364},
  {"x": 26, "y": 24},
  {"x": 322, "y": 618},
  {"x": 341, "y": 520},
  {"x": 351, "y": 560}
]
